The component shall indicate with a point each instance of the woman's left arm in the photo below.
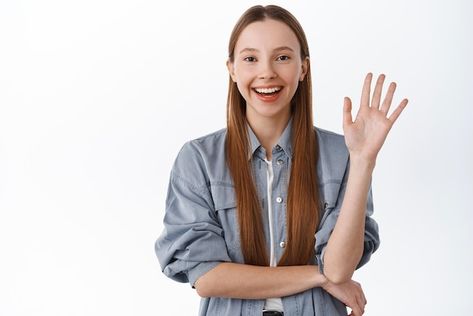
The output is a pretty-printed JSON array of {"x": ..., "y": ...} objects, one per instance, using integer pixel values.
[{"x": 364, "y": 138}]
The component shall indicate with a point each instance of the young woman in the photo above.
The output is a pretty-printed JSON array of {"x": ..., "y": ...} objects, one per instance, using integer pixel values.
[{"x": 272, "y": 215}]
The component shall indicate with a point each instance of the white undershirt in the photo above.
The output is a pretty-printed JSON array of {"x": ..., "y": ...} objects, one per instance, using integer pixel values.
[{"x": 271, "y": 303}]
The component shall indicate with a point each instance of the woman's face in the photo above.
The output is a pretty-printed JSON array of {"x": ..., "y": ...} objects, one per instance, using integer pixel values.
[{"x": 267, "y": 68}]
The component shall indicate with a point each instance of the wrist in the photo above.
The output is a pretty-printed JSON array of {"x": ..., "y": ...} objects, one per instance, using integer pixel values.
[
  {"x": 322, "y": 280},
  {"x": 361, "y": 162}
]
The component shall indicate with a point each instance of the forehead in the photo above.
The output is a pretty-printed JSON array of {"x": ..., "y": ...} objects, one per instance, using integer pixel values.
[{"x": 266, "y": 35}]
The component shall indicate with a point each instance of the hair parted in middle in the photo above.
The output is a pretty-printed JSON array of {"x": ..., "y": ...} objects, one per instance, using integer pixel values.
[{"x": 303, "y": 201}]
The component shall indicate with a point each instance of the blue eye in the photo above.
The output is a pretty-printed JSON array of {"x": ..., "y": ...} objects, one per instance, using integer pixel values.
[{"x": 250, "y": 59}]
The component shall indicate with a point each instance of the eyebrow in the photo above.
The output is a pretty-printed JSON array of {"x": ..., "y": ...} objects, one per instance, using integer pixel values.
[{"x": 277, "y": 49}]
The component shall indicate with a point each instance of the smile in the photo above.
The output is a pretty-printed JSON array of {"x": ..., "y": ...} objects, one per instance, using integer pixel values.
[
  {"x": 267, "y": 91},
  {"x": 268, "y": 95}
]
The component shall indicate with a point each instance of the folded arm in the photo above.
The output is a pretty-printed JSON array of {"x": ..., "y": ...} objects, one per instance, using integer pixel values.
[{"x": 234, "y": 280}]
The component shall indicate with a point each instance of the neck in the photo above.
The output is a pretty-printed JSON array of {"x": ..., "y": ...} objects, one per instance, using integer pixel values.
[{"x": 268, "y": 130}]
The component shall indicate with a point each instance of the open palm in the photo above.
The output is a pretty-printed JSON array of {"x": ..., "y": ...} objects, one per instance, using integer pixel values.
[{"x": 366, "y": 135}]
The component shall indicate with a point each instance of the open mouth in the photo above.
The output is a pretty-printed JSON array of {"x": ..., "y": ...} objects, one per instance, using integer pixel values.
[{"x": 268, "y": 91}]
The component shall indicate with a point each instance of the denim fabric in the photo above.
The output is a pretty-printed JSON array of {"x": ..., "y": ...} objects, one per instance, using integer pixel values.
[{"x": 201, "y": 225}]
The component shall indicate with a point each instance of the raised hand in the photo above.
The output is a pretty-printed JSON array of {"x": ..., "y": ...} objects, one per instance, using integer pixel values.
[{"x": 366, "y": 135}]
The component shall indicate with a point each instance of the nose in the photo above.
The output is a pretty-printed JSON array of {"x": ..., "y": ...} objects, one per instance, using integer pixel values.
[{"x": 267, "y": 70}]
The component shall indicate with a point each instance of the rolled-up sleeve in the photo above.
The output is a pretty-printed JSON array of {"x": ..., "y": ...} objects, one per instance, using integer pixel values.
[
  {"x": 192, "y": 241},
  {"x": 326, "y": 226}
]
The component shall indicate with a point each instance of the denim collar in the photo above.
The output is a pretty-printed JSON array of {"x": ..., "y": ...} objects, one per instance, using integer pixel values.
[{"x": 284, "y": 142}]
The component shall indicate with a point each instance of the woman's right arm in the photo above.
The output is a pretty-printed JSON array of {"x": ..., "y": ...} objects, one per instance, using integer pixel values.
[
  {"x": 235, "y": 280},
  {"x": 192, "y": 246}
]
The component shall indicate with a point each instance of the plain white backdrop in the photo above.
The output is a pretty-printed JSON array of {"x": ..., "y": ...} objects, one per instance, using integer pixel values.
[{"x": 97, "y": 97}]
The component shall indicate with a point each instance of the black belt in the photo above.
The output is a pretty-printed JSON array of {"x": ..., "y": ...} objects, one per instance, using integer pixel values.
[{"x": 272, "y": 313}]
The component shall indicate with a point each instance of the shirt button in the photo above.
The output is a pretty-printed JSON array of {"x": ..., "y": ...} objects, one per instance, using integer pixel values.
[
  {"x": 280, "y": 161},
  {"x": 282, "y": 244},
  {"x": 278, "y": 147},
  {"x": 279, "y": 199}
]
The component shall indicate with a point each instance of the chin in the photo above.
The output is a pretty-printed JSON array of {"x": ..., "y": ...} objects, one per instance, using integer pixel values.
[{"x": 268, "y": 112}]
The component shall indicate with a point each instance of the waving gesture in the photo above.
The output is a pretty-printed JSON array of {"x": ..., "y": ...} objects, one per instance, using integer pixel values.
[{"x": 366, "y": 135}]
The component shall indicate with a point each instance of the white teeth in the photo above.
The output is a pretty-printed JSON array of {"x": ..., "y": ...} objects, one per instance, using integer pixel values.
[{"x": 267, "y": 90}]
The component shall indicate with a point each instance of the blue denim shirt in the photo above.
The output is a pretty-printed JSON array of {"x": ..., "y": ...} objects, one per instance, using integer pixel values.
[{"x": 201, "y": 224}]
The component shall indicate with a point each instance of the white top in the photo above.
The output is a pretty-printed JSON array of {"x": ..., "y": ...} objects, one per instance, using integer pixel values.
[{"x": 271, "y": 303}]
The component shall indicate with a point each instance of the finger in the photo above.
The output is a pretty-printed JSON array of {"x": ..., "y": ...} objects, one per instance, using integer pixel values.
[
  {"x": 347, "y": 118},
  {"x": 398, "y": 111},
  {"x": 355, "y": 307},
  {"x": 356, "y": 310},
  {"x": 362, "y": 294},
  {"x": 361, "y": 303},
  {"x": 389, "y": 98},
  {"x": 364, "y": 297},
  {"x": 377, "y": 92},
  {"x": 365, "y": 95}
]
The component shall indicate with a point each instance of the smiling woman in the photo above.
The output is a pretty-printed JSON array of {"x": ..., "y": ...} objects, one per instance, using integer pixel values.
[
  {"x": 267, "y": 71},
  {"x": 272, "y": 215}
]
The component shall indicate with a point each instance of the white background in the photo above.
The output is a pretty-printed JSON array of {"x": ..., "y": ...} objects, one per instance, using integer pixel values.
[{"x": 97, "y": 97}]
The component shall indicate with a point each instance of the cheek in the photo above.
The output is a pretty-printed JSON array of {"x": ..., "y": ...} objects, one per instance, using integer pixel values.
[
  {"x": 244, "y": 75},
  {"x": 243, "y": 87},
  {"x": 292, "y": 75},
  {"x": 243, "y": 82}
]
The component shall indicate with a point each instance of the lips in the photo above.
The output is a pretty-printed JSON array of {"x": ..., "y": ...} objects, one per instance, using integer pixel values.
[
  {"x": 267, "y": 90},
  {"x": 268, "y": 94}
]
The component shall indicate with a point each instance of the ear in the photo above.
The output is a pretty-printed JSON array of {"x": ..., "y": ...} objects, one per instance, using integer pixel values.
[
  {"x": 305, "y": 68},
  {"x": 231, "y": 70}
]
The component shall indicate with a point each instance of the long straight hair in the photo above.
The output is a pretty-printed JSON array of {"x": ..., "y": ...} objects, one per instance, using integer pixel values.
[{"x": 303, "y": 194}]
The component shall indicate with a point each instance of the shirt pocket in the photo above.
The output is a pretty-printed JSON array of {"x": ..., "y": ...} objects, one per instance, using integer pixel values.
[
  {"x": 329, "y": 195},
  {"x": 226, "y": 212}
]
